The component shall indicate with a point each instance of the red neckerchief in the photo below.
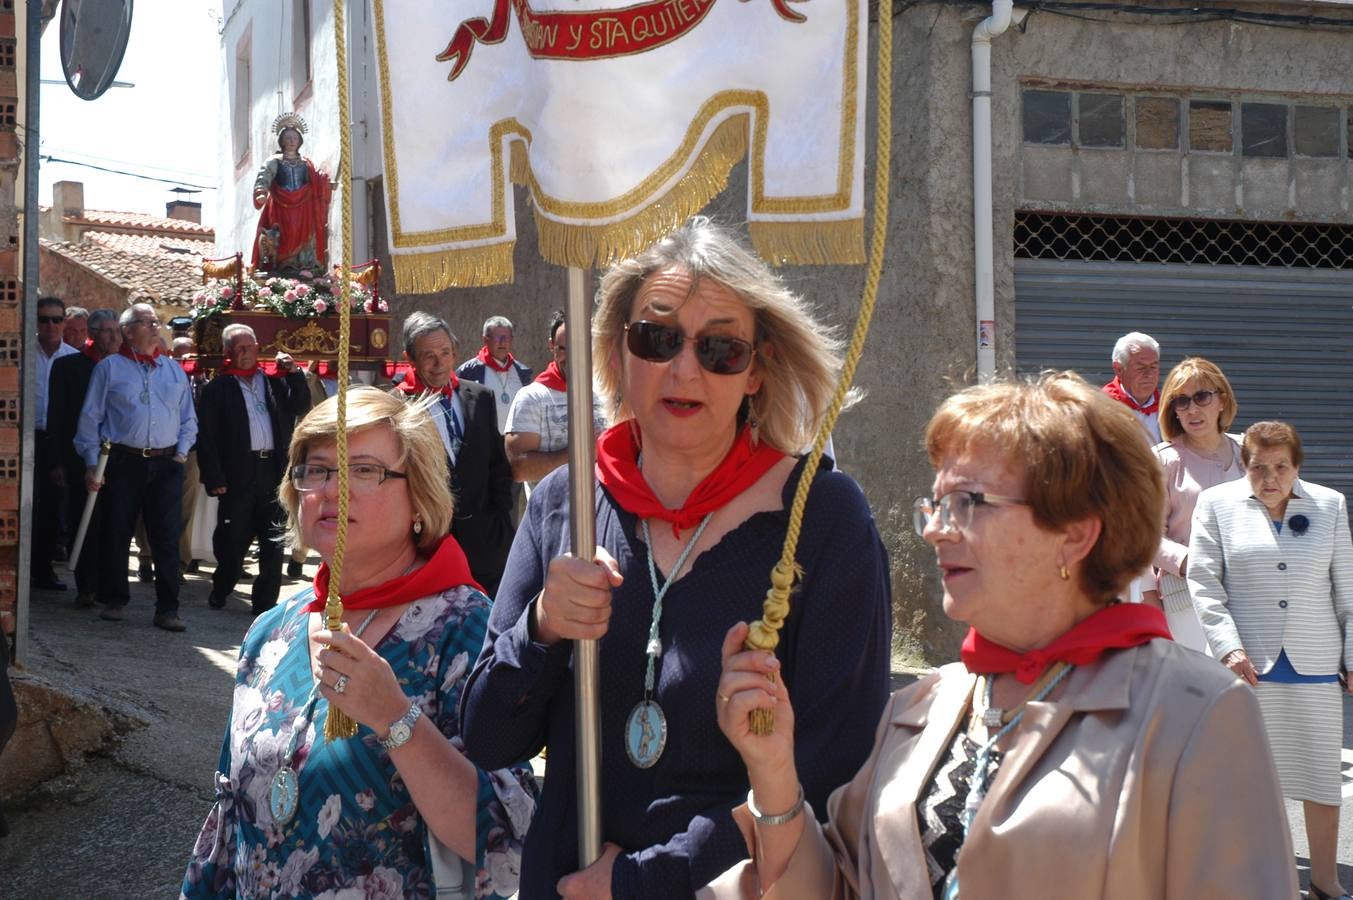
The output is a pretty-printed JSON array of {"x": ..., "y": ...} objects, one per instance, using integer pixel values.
[
  {"x": 553, "y": 378},
  {"x": 487, "y": 359},
  {"x": 447, "y": 568},
  {"x": 1111, "y": 628},
  {"x": 411, "y": 385},
  {"x": 189, "y": 366},
  {"x": 618, "y": 471},
  {"x": 142, "y": 358},
  {"x": 88, "y": 350},
  {"x": 1115, "y": 390},
  {"x": 266, "y": 368}
]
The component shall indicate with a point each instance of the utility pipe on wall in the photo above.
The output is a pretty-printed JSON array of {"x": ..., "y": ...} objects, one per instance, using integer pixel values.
[{"x": 983, "y": 270}]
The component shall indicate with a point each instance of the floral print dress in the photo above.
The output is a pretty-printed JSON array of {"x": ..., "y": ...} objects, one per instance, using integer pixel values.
[{"x": 356, "y": 832}]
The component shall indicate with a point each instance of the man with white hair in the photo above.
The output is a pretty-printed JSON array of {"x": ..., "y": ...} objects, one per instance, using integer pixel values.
[
  {"x": 141, "y": 402},
  {"x": 496, "y": 368},
  {"x": 1136, "y": 380},
  {"x": 247, "y": 417}
]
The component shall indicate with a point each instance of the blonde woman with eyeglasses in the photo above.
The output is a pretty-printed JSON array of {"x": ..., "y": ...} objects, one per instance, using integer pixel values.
[
  {"x": 396, "y": 810},
  {"x": 1197, "y": 405}
]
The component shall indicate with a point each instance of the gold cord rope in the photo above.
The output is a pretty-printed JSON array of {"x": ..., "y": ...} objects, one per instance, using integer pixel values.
[
  {"x": 338, "y": 725},
  {"x": 765, "y": 633}
]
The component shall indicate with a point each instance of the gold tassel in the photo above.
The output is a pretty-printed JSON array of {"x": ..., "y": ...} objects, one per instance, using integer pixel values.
[
  {"x": 427, "y": 273},
  {"x": 765, "y": 632},
  {"x": 339, "y": 726},
  {"x": 809, "y": 243}
]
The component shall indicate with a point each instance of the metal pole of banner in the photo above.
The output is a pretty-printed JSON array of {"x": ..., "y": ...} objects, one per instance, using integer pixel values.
[{"x": 581, "y": 459}]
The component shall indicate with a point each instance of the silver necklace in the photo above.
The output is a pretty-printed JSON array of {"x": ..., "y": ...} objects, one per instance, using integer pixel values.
[
  {"x": 284, "y": 795},
  {"x": 260, "y": 402},
  {"x": 646, "y": 727},
  {"x": 502, "y": 385}
]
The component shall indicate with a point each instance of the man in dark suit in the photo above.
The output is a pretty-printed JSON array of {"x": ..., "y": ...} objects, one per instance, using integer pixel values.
[
  {"x": 66, "y": 395},
  {"x": 467, "y": 419},
  {"x": 245, "y": 420}
]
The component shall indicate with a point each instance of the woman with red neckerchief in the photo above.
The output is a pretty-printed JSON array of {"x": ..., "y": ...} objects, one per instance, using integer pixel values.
[
  {"x": 1076, "y": 751},
  {"x": 717, "y": 376},
  {"x": 397, "y": 809}
]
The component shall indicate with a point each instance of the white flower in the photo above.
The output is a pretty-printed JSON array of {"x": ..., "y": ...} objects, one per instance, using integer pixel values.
[
  {"x": 504, "y": 871},
  {"x": 383, "y": 884},
  {"x": 354, "y": 892},
  {"x": 298, "y": 864},
  {"x": 416, "y": 621},
  {"x": 271, "y": 655},
  {"x": 366, "y": 799},
  {"x": 328, "y": 815}
]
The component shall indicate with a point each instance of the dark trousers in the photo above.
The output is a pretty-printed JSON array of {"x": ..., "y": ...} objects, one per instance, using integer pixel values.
[
  {"x": 153, "y": 488},
  {"x": 243, "y": 515},
  {"x": 48, "y": 498}
]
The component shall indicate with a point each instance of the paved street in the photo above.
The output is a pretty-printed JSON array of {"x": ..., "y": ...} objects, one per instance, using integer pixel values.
[{"x": 121, "y": 826}]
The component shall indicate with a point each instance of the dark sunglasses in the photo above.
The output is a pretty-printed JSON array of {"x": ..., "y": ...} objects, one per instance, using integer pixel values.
[
  {"x": 1199, "y": 399},
  {"x": 716, "y": 353},
  {"x": 51, "y": 320}
]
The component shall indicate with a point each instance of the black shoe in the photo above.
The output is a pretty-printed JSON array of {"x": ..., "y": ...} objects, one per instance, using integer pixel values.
[
  {"x": 146, "y": 573},
  {"x": 216, "y": 602},
  {"x": 169, "y": 622},
  {"x": 294, "y": 570},
  {"x": 193, "y": 567},
  {"x": 48, "y": 583},
  {"x": 112, "y": 614}
]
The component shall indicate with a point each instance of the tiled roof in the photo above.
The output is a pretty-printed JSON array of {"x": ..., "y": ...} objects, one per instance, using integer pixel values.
[
  {"x": 141, "y": 222},
  {"x": 160, "y": 270}
]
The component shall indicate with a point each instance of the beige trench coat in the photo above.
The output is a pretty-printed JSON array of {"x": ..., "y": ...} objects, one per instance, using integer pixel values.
[{"x": 1150, "y": 777}]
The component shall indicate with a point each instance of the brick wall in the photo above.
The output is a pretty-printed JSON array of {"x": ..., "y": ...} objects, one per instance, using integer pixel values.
[
  {"x": 77, "y": 285},
  {"x": 11, "y": 334}
]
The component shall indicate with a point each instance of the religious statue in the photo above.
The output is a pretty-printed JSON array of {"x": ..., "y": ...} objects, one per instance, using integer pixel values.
[{"x": 293, "y": 195}]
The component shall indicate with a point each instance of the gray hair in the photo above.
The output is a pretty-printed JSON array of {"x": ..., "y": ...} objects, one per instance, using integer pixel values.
[
  {"x": 496, "y": 322},
  {"x": 231, "y": 332},
  {"x": 76, "y": 312},
  {"x": 99, "y": 316},
  {"x": 799, "y": 374},
  {"x": 420, "y": 324},
  {"x": 129, "y": 314},
  {"x": 1130, "y": 343}
]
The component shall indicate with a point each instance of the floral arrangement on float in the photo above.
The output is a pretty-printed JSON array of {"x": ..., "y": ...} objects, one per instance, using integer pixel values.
[{"x": 294, "y": 298}]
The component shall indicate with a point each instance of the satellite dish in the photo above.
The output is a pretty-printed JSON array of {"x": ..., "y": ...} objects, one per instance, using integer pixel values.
[{"x": 93, "y": 39}]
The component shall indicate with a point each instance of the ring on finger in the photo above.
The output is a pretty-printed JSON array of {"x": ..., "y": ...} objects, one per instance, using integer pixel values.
[
  {"x": 341, "y": 684},
  {"x": 722, "y": 698}
]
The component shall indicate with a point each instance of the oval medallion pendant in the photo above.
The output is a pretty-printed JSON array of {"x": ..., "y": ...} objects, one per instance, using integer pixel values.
[
  {"x": 645, "y": 733},
  {"x": 505, "y": 397},
  {"x": 284, "y": 795}
]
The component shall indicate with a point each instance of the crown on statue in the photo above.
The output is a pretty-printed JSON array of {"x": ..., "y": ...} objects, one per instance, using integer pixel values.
[{"x": 288, "y": 120}]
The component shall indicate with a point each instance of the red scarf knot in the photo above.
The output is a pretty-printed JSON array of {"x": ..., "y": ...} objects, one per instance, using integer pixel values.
[
  {"x": 487, "y": 359},
  {"x": 1116, "y": 390},
  {"x": 1114, "y": 627},
  {"x": 413, "y": 387},
  {"x": 553, "y": 378},
  {"x": 88, "y": 350},
  {"x": 141, "y": 358},
  {"x": 618, "y": 471},
  {"x": 448, "y": 568}
]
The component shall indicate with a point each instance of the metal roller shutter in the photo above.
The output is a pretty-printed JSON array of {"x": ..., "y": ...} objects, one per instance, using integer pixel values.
[{"x": 1280, "y": 335}]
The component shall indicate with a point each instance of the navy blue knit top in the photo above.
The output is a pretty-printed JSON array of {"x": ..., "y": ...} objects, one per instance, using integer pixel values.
[{"x": 674, "y": 820}]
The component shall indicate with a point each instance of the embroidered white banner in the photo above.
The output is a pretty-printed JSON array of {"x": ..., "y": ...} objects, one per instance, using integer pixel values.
[{"x": 621, "y": 119}]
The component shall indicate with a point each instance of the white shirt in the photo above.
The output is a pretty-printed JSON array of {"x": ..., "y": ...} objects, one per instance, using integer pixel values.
[
  {"x": 44, "y": 375},
  {"x": 446, "y": 427},
  {"x": 255, "y": 391}
]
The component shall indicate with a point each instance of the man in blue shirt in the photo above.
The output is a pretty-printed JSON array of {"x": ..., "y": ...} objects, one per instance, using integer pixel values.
[{"x": 140, "y": 401}]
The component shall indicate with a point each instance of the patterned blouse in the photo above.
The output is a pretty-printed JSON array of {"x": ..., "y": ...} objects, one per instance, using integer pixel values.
[
  {"x": 941, "y": 811},
  {"x": 356, "y": 830}
]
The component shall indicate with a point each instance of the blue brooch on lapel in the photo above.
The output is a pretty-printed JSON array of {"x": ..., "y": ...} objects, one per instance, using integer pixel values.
[{"x": 1298, "y": 524}]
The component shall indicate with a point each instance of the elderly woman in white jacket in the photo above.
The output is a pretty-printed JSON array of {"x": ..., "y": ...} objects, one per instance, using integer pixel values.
[{"x": 1271, "y": 575}]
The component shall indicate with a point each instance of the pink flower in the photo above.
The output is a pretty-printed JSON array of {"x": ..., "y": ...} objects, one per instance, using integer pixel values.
[
  {"x": 321, "y": 306},
  {"x": 302, "y": 290},
  {"x": 368, "y": 307},
  {"x": 306, "y": 273},
  {"x": 290, "y": 295},
  {"x": 383, "y": 306},
  {"x": 227, "y": 292}
]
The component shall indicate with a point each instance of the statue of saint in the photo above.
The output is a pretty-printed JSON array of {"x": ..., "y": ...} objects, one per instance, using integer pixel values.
[{"x": 294, "y": 198}]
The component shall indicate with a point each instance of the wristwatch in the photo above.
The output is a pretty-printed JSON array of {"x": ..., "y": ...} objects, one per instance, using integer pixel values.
[{"x": 402, "y": 728}]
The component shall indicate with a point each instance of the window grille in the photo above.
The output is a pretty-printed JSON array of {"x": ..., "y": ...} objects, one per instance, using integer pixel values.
[{"x": 1042, "y": 235}]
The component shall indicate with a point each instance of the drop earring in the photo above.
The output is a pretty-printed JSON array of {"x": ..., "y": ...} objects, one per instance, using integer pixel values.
[
  {"x": 417, "y": 526},
  {"x": 1065, "y": 573}
]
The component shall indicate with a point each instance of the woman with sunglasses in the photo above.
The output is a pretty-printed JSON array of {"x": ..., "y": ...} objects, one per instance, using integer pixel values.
[
  {"x": 396, "y": 810},
  {"x": 717, "y": 376},
  {"x": 1196, "y": 407},
  {"x": 1075, "y": 751},
  {"x": 1271, "y": 572}
]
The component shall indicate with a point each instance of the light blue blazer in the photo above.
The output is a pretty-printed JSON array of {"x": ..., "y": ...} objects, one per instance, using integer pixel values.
[{"x": 1263, "y": 592}]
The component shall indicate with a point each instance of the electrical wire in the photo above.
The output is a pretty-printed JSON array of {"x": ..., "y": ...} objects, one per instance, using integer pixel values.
[{"x": 47, "y": 158}]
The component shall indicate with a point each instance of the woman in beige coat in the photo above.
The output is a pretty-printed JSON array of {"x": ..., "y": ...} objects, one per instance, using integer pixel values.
[{"x": 1076, "y": 752}]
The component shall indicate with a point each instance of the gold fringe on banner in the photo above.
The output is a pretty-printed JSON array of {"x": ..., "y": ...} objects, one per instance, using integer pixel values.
[
  {"x": 435, "y": 270},
  {"x": 586, "y": 246},
  {"x": 809, "y": 243}
]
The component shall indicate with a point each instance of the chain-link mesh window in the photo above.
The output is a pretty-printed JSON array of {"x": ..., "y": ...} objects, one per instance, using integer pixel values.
[{"x": 1189, "y": 241}]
